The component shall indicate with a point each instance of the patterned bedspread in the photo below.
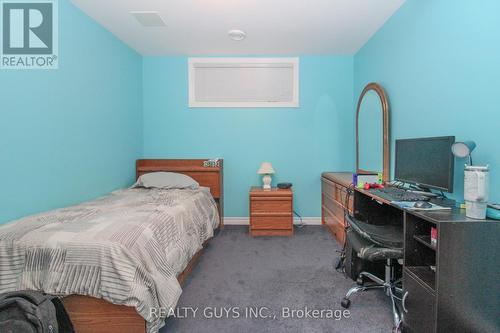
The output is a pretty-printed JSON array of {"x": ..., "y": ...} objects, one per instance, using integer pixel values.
[{"x": 126, "y": 248}]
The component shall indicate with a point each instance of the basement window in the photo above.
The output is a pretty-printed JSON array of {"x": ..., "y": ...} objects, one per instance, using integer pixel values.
[{"x": 243, "y": 82}]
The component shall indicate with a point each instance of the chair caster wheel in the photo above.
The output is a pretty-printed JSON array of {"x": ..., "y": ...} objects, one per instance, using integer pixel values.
[
  {"x": 346, "y": 303},
  {"x": 359, "y": 281}
]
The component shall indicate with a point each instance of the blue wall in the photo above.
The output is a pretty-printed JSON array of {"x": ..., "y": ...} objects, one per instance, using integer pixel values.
[
  {"x": 300, "y": 142},
  {"x": 70, "y": 134},
  {"x": 439, "y": 62}
]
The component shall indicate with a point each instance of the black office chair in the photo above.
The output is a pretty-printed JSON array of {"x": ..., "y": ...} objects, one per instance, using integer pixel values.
[{"x": 377, "y": 243}]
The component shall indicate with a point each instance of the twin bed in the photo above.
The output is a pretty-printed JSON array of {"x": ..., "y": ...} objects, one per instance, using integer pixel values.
[{"x": 116, "y": 258}]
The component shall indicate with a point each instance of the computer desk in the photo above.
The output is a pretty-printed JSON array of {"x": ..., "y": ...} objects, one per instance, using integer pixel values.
[{"x": 462, "y": 294}]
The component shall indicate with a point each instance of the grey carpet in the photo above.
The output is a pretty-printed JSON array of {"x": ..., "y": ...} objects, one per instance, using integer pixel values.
[{"x": 272, "y": 273}]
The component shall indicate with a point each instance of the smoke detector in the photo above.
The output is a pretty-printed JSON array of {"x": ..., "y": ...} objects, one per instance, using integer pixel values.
[{"x": 236, "y": 34}]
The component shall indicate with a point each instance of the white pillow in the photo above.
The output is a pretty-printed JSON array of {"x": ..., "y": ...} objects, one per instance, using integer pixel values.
[{"x": 166, "y": 180}]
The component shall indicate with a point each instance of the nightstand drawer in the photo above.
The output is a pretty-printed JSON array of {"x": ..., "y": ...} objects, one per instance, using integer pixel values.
[
  {"x": 271, "y": 212},
  {"x": 274, "y": 206},
  {"x": 271, "y": 222}
]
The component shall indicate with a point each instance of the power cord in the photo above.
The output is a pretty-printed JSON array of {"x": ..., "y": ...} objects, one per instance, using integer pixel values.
[{"x": 300, "y": 218}]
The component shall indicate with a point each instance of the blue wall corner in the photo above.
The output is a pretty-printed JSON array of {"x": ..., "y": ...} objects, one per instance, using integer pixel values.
[
  {"x": 439, "y": 63},
  {"x": 70, "y": 134}
]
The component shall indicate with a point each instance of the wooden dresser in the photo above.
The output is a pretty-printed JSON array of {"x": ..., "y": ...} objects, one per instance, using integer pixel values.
[
  {"x": 334, "y": 187},
  {"x": 271, "y": 212}
]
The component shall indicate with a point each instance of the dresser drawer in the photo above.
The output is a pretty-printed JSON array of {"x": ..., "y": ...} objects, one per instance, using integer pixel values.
[
  {"x": 273, "y": 206},
  {"x": 336, "y": 192},
  {"x": 271, "y": 222},
  {"x": 329, "y": 188},
  {"x": 335, "y": 209},
  {"x": 335, "y": 225},
  {"x": 342, "y": 198}
]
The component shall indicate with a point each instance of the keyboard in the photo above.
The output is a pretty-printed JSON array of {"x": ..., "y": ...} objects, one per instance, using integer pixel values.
[{"x": 398, "y": 194}]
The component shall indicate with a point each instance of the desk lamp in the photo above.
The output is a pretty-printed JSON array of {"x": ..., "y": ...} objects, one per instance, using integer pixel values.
[
  {"x": 267, "y": 170},
  {"x": 463, "y": 149}
]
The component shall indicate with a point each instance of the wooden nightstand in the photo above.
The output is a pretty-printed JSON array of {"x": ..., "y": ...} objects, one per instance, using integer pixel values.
[{"x": 271, "y": 212}]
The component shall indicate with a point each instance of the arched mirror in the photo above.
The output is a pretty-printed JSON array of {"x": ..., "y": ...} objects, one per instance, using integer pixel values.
[{"x": 372, "y": 131}]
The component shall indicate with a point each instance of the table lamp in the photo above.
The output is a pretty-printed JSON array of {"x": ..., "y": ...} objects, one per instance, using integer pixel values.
[
  {"x": 463, "y": 149},
  {"x": 267, "y": 170}
]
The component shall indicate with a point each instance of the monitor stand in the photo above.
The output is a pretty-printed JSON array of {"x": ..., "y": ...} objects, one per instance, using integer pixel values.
[
  {"x": 443, "y": 202},
  {"x": 422, "y": 191},
  {"x": 440, "y": 200}
]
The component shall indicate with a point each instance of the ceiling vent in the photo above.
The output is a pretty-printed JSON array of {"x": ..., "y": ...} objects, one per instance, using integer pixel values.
[{"x": 148, "y": 18}]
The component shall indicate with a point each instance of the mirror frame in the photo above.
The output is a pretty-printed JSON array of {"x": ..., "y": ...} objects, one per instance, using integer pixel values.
[{"x": 385, "y": 140}]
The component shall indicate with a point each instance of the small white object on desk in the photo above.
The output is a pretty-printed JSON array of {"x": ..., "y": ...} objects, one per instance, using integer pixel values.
[
  {"x": 267, "y": 170},
  {"x": 476, "y": 190}
]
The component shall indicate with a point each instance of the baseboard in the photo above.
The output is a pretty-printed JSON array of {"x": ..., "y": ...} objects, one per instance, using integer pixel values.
[{"x": 245, "y": 221}]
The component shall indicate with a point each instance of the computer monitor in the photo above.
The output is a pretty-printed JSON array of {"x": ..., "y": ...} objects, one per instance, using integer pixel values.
[{"x": 426, "y": 162}]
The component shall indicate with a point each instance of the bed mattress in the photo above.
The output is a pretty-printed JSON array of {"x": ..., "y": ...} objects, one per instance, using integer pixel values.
[{"x": 127, "y": 248}]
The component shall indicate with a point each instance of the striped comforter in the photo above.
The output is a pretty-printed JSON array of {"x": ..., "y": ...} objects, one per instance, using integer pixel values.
[{"x": 126, "y": 248}]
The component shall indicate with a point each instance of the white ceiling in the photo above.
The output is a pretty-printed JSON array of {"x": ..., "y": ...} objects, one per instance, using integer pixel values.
[{"x": 273, "y": 27}]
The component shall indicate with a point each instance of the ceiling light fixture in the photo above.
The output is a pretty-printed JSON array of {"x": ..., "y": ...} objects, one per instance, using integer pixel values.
[{"x": 236, "y": 34}]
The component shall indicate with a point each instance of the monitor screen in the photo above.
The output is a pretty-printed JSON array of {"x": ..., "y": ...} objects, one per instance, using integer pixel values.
[{"x": 427, "y": 162}]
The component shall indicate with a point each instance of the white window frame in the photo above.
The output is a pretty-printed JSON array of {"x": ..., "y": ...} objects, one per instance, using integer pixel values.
[{"x": 294, "y": 61}]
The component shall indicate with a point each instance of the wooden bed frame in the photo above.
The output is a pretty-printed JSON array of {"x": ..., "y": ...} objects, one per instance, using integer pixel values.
[{"x": 95, "y": 315}]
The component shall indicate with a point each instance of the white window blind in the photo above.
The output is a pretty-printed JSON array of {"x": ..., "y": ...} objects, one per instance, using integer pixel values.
[{"x": 243, "y": 82}]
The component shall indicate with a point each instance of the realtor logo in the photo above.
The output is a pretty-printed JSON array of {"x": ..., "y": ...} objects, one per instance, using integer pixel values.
[{"x": 29, "y": 34}]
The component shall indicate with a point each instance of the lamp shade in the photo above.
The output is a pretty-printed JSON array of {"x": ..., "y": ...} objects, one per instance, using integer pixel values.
[
  {"x": 266, "y": 168},
  {"x": 463, "y": 149}
]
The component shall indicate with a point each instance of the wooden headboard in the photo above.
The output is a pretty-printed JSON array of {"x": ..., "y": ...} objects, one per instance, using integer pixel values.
[{"x": 207, "y": 176}]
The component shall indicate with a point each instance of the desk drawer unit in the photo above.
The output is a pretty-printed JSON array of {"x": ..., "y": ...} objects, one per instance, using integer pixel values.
[
  {"x": 419, "y": 303},
  {"x": 271, "y": 212}
]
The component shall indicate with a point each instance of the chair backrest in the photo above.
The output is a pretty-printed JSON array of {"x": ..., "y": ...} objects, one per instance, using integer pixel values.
[{"x": 389, "y": 236}]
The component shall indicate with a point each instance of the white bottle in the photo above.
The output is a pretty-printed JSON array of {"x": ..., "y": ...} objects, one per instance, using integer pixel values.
[{"x": 476, "y": 190}]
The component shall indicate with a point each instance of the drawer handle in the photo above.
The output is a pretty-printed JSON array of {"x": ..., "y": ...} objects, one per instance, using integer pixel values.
[{"x": 403, "y": 302}]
